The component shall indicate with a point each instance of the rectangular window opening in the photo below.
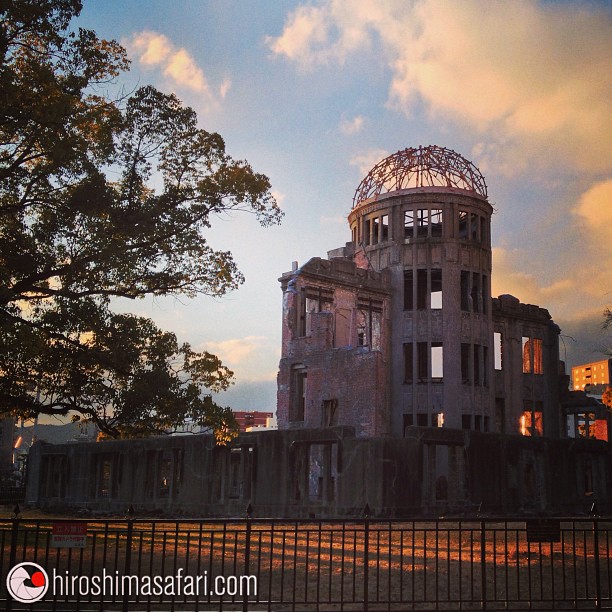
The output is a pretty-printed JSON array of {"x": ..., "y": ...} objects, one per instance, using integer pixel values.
[
  {"x": 299, "y": 394},
  {"x": 485, "y": 293},
  {"x": 531, "y": 422},
  {"x": 421, "y": 290},
  {"x": 408, "y": 363},
  {"x": 330, "y": 412},
  {"x": 537, "y": 356},
  {"x": 436, "y": 222},
  {"x": 465, "y": 363},
  {"x": 422, "y": 360},
  {"x": 408, "y": 224},
  {"x": 422, "y": 222},
  {"x": 437, "y": 361},
  {"x": 475, "y": 293},
  {"x": 463, "y": 224},
  {"x": 408, "y": 290},
  {"x": 436, "y": 288},
  {"x": 485, "y": 366},
  {"x": 483, "y": 231},
  {"x": 384, "y": 228},
  {"x": 474, "y": 227},
  {"x": 367, "y": 237},
  {"x": 497, "y": 349},
  {"x": 527, "y": 363},
  {"x": 362, "y": 336},
  {"x": 465, "y": 291},
  {"x": 368, "y": 323}
]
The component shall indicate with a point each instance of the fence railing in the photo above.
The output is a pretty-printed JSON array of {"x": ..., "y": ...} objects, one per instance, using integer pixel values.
[{"x": 303, "y": 565}]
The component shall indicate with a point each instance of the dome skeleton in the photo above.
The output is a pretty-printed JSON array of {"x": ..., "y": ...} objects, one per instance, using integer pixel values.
[{"x": 430, "y": 166}]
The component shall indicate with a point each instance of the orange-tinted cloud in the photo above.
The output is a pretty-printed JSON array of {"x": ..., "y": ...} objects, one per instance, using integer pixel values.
[
  {"x": 155, "y": 50},
  {"x": 533, "y": 77}
]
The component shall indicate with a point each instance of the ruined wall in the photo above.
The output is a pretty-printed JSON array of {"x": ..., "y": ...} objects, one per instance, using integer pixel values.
[
  {"x": 333, "y": 370},
  {"x": 326, "y": 472},
  {"x": 527, "y": 385}
]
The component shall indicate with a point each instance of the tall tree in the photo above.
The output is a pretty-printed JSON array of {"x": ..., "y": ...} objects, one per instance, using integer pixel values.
[{"x": 104, "y": 198}]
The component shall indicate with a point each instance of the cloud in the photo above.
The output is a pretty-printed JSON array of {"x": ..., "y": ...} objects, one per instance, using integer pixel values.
[
  {"x": 279, "y": 196},
  {"x": 236, "y": 350},
  {"x": 527, "y": 287},
  {"x": 306, "y": 37},
  {"x": 578, "y": 289},
  {"x": 595, "y": 211},
  {"x": 155, "y": 50},
  {"x": 367, "y": 160},
  {"x": 352, "y": 126},
  {"x": 224, "y": 88},
  {"x": 532, "y": 77},
  {"x": 243, "y": 356}
]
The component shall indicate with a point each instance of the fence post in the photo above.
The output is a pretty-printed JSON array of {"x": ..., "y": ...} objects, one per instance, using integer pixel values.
[
  {"x": 13, "y": 552},
  {"x": 366, "y": 558},
  {"x": 483, "y": 564},
  {"x": 596, "y": 559},
  {"x": 128, "y": 554},
  {"x": 247, "y": 554}
]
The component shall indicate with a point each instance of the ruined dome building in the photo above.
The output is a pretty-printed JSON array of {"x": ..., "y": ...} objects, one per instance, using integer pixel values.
[
  {"x": 403, "y": 385},
  {"x": 398, "y": 328}
]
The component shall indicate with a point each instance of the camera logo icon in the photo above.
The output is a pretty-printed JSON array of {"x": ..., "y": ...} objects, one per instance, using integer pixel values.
[{"x": 27, "y": 582}]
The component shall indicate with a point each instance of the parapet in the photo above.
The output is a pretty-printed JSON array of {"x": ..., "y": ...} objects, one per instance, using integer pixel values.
[
  {"x": 508, "y": 306},
  {"x": 341, "y": 270}
]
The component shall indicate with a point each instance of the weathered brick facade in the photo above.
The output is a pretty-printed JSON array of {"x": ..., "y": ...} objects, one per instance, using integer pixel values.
[{"x": 334, "y": 365}]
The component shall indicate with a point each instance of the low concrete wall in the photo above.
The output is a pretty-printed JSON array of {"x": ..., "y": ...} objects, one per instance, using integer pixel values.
[{"x": 325, "y": 473}]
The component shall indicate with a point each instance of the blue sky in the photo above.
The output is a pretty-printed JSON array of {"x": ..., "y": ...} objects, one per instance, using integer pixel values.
[{"x": 314, "y": 94}]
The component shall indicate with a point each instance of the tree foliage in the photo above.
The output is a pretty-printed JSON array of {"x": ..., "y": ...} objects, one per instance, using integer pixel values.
[{"x": 103, "y": 198}]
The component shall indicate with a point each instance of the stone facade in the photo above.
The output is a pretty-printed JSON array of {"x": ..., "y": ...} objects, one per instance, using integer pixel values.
[
  {"x": 422, "y": 256},
  {"x": 325, "y": 473}
]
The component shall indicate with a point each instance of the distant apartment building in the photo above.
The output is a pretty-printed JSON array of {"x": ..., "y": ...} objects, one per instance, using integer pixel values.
[
  {"x": 247, "y": 420},
  {"x": 593, "y": 377},
  {"x": 252, "y": 419}
]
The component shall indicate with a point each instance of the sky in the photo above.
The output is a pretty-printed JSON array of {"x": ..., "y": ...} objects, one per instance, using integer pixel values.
[{"x": 314, "y": 94}]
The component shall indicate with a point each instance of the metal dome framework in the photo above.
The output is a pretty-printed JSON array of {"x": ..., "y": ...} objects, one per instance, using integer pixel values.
[{"x": 431, "y": 166}]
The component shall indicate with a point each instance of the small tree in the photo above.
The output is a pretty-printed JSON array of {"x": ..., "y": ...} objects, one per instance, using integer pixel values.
[{"x": 82, "y": 221}]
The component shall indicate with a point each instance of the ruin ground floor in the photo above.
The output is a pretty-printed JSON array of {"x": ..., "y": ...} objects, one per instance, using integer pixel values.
[{"x": 326, "y": 473}]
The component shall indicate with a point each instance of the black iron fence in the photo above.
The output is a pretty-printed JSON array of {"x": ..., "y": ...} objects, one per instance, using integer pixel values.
[{"x": 281, "y": 565}]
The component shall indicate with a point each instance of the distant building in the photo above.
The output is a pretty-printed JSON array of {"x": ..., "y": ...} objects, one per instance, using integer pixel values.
[
  {"x": 592, "y": 377},
  {"x": 252, "y": 419},
  {"x": 247, "y": 421}
]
